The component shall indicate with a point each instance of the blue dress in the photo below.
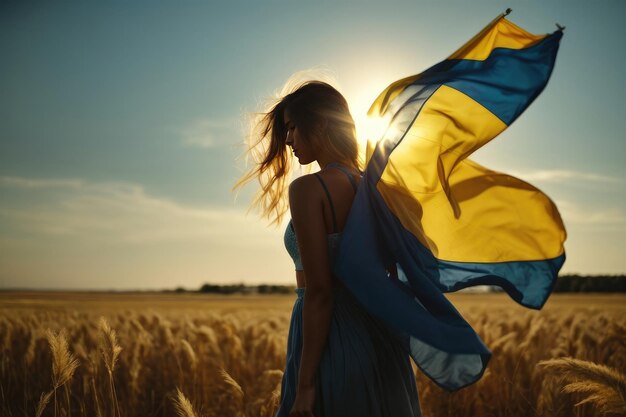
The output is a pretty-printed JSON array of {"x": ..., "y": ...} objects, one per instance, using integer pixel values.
[{"x": 365, "y": 367}]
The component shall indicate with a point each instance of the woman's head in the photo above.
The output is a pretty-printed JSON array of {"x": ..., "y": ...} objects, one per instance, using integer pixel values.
[
  {"x": 317, "y": 124},
  {"x": 314, "y": 119}
]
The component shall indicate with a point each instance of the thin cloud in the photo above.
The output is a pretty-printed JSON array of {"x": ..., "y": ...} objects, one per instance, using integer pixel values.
[
  {"x": 21, "y": 182},
  {"x": 123, "y": 212},
  {"x": 210, "y": 133},
  {"x": 556, "y": 175},
  {"x": 574, "y": 213}
]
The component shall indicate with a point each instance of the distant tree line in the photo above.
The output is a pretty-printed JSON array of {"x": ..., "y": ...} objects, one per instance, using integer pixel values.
[
  {"x": 246, "y": 289},
  {"x": 590, "y": 283},
  {"x": 564, "y": 283}
]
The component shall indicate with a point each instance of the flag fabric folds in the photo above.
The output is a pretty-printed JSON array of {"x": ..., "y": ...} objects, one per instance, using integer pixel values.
[{"x": 444, "y": 221}]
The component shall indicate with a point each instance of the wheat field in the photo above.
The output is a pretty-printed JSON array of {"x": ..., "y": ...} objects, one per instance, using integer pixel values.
[{"x": 109, "y": 355}]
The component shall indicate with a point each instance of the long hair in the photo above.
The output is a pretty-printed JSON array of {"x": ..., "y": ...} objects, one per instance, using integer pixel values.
[{"x": 322, "y": 116}]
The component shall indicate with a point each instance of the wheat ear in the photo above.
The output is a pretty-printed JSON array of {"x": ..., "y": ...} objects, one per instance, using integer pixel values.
[
  {"x": 43, "y": 401},
  {"x": 606, "y": 387},
  {"x": 183, "y": 405},
  {"x": 235, "y": 388},
  {"x": 63, "y": 362},
  {"x": 110, "y": 353},
  {"x": 108, "y": 345}
]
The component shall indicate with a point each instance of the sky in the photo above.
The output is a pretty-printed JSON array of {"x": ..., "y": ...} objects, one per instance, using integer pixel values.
[{"x": 122, "y": 127}]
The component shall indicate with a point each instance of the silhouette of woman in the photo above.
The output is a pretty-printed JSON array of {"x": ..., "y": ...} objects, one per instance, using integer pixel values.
[{"x": 341, "y": 361}]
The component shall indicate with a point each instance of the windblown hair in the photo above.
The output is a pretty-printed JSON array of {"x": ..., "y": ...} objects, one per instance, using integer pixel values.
[{"x": 322, "y": 116}]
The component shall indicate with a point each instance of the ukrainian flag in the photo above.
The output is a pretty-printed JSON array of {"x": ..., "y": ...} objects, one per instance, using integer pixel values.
[{"x": 445, "y": 221}]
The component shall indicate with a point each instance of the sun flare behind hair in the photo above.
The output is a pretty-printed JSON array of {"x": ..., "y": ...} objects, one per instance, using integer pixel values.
[{"x": 369, "y": 129}]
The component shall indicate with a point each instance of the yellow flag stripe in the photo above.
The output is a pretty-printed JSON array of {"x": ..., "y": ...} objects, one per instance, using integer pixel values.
[{"x": 458, "y": 209}]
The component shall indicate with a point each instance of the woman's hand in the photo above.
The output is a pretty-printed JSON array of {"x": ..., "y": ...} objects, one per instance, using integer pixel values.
[{"x": 303, "y": 403}]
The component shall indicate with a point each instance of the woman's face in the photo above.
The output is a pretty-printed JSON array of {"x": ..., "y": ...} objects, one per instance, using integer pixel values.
[{"x": 295, "y": 138}]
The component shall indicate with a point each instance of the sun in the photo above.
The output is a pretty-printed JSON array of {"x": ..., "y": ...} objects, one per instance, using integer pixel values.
[{"x": 369, "y": 130}]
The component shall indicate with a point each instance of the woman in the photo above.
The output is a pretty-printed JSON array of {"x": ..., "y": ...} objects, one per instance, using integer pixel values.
[{"x": 341, "y": 361}]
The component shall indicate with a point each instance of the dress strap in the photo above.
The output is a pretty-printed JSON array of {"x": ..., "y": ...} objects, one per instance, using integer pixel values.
[
  {"x": 332, "y": 208},
  {"x": 345, "y": 171}
]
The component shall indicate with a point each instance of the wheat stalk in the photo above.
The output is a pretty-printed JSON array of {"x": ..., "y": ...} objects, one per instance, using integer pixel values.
[
  {"x": 235, "y": 388},
  {"x": 272, "y": 402},
  {"x": 63, "y": 362},
  {"x": 108, "y": 345},
  {"x": 43, "y": 401},
  {"x": 95, "y": 397},
  {"x": 189, "y": 354},
  {"x": 183, "y": 405},
  {"x": 110, "y": 353},
  {"x": 605, "y": 387}
]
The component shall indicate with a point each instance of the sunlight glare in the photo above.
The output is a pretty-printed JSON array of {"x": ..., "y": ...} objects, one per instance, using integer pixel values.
[{"x": 369, "y": 130}]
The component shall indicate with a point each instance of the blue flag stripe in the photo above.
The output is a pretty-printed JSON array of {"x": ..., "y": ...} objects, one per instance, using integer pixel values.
[{"x": 498, "y": 83}]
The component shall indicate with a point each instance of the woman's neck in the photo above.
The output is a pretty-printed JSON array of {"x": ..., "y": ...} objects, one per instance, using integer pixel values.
[{"x": 323, "y": 163}]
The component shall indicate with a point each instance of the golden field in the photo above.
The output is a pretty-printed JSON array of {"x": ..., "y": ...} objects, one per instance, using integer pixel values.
[{"x": 153, "y": 354}]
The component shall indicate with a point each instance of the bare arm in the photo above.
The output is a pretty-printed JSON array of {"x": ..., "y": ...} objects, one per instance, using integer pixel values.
[{"x": 306, "y": 206}]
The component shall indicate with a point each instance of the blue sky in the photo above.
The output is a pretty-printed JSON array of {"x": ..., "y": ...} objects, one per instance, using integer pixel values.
[{"x": 122, "y": 123}]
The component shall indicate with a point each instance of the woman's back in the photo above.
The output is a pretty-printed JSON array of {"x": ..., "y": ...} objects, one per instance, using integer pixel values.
[{"x": 339, "y": 186}]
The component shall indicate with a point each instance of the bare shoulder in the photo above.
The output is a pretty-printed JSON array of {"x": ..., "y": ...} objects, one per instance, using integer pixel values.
[
  {"x": 303, "y": 187},
  {"x": 304, "y": 196}
]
